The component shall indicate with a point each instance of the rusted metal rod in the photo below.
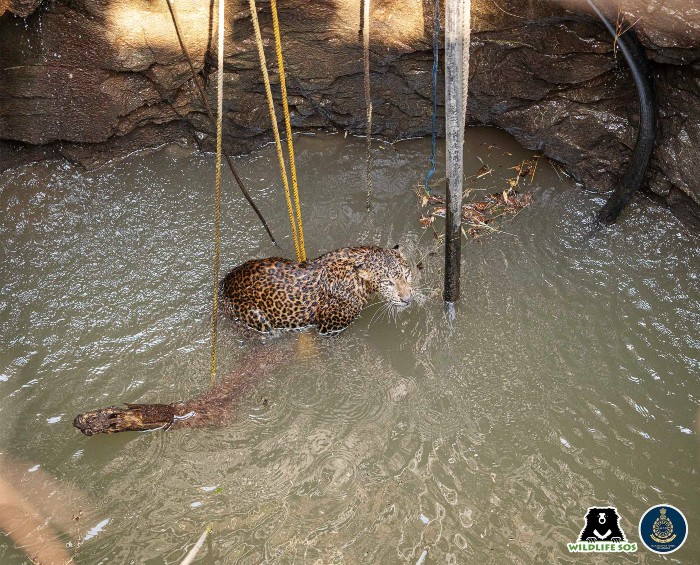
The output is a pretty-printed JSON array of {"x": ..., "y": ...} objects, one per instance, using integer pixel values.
[{"x": 453, "y": 243}]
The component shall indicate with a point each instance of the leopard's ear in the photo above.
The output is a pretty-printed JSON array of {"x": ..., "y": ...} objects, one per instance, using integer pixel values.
[{"x": 397, "y": 247}]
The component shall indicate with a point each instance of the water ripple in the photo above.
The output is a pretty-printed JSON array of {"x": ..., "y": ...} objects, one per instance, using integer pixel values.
[{"x": 568, "y": 378}]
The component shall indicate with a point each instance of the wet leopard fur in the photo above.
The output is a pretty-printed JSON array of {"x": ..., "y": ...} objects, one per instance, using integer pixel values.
[{"x": 328, "y": 292}]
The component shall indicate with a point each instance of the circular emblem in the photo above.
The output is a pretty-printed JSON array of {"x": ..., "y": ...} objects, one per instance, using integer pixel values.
[{"x": 663, "y": 528}]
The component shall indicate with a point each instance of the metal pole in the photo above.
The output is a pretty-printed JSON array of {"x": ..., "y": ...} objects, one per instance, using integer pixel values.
[
  {"x": 453, "y": 243},
  {"x": 456, "y": 59}
]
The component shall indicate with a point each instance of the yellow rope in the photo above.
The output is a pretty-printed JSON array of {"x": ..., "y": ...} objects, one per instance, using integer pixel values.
[
  {"x": 275, "y": 130},
  {"x": 217, "y": 207},
  {"x": 368, "y": 98},
  {"x": 288, "y": 126}
]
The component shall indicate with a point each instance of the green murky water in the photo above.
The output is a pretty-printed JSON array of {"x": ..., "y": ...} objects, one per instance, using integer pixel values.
[{"x": 569, "y": 379}]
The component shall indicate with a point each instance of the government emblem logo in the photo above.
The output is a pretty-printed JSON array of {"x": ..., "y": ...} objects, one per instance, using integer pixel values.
[
  {"x": 602, "y": 533},
  {"x": 663, "y": 529}
]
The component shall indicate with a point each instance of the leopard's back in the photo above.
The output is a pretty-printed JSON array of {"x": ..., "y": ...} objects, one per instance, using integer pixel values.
[
  {"x": 328, "y": 292},
  {"x": 273, "y": 293}
]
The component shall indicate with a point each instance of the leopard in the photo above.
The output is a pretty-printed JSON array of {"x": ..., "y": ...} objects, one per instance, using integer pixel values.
[{"x": 328, "y": 293}]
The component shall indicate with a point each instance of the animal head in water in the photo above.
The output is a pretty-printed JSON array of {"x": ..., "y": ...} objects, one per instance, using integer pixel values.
[{"x": 389, "y": 271}]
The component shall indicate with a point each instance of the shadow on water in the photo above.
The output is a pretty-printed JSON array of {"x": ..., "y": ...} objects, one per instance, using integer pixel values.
[{"x": 568, "y": 378}]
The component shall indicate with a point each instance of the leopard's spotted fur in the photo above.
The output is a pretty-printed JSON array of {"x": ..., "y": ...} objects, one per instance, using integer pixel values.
[{"x": 328, "y": 292}]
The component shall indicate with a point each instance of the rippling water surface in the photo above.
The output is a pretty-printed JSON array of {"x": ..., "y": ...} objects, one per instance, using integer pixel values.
[{"x": 569, "y": 379}]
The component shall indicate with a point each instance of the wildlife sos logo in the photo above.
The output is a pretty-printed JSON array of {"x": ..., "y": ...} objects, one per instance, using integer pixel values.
[
  {"x": 602, "y": 533},
  {"x": 663, "y": 529}
]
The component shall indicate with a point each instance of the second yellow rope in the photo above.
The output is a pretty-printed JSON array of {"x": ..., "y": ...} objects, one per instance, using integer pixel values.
[
  {"x": 217, "y": 206},
  {"x": 295, "y": 222}
]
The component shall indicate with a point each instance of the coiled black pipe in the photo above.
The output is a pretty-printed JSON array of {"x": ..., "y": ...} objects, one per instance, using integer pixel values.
[{"x": 638, "y": 64}]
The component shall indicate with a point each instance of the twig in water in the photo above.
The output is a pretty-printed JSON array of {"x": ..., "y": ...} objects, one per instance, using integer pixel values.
[{"x": 189, "y": 558}]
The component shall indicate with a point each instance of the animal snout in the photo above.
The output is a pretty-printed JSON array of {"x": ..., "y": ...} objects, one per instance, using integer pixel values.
[{"x": 404, "y": 293}]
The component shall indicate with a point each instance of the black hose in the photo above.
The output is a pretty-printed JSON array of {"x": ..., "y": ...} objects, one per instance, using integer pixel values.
[{"x": 638, "y": 64}]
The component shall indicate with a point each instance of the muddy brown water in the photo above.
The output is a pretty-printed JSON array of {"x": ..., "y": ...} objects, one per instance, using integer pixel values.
[{"x": 569, "y": 378}]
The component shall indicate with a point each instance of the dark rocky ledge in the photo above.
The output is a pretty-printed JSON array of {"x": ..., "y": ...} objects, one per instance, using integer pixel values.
[{"x": 90, "y": 80}]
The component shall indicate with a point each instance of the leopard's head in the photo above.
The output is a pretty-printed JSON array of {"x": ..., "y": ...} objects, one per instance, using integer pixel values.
[{"x": 390, "y": 273}]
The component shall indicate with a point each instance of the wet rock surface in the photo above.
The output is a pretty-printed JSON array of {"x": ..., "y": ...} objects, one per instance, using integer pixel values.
[
  {"x": 91, "y": 79},
  {"x": 20, "y": 8}
]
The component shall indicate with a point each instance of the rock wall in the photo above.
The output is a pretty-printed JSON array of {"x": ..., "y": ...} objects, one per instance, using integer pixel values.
[{"x": 92, "y": 79}]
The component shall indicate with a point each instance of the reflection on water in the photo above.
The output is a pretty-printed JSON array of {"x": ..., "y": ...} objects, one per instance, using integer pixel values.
[{"x": 568, "y": 379}]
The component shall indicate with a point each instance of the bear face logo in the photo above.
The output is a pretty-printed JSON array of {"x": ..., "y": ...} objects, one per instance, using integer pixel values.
[{"x": 602, "y": 524}]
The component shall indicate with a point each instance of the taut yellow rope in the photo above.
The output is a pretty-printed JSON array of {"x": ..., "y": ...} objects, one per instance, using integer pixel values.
[
  {"x": 368, "y": 97},
  {"x": 297, "y": 233},
  {"x": 288, "y": 126},
  {"x": 217, "y": 206}
]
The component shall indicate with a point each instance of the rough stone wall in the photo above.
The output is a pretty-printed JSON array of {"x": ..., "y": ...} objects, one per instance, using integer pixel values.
[{"x": 90, "y": 79}]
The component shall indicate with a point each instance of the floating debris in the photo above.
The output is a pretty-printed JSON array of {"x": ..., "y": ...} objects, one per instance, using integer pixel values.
[
  {"x": 96, "y": 530},
  {"x": 479, "y": 215}
]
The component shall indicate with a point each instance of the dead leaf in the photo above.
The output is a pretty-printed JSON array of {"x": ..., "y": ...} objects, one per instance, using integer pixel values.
[{"x": 426, "y": 221}]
